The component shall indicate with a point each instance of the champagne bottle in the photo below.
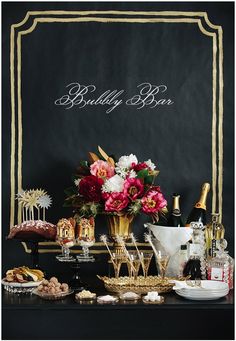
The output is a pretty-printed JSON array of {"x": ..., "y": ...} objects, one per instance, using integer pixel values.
[
  {"x": 198, "y": 213},
  {"x": 175, "y": 216}
]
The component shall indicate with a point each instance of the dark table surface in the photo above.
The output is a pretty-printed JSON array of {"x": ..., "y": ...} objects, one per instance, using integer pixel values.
[
  {"x": 178, "y": 318},
  {"x": 172, "y": 301}
]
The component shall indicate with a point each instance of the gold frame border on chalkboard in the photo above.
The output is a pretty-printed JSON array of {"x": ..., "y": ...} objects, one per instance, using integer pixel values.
[{"x": 35, "y": 17}]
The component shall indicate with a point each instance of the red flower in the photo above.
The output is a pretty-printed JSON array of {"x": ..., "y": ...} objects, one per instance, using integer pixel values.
[
  {"x": 139, "y": 166},
  {"x": 133, "y": 188},
  {"x": 116, "y": 202},
  {"x": 90, "y": 188},
  {"x": 153, "y": 201},
  {"x": 105, "y": 195}
]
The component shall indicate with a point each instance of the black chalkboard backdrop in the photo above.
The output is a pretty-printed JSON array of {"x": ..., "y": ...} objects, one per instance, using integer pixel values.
[{"x": 176, "y": 134}]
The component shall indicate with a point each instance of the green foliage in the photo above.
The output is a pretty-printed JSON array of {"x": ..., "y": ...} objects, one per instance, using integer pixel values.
[
  {"x": 142, "y": 174},
  {"x": 146, "y": 176},
  {"x": 84, "y": 164},
  {"x": 135, "y": 207},
  {"x": 71, "y": 191}
]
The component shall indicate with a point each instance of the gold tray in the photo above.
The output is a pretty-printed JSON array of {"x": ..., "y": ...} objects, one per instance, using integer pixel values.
[{"x": 141, "y": 285}]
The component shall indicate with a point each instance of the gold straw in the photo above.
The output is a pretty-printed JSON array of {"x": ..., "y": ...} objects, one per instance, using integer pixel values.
[
  {"x": 135, "y": 244},
  {"x": 149, "y": 240},
  {"x": 103, "y": 239}
]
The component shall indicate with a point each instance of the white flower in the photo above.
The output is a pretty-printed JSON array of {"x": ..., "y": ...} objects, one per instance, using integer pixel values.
[
  {"x": 44, "y": 201},
  {"x": 114, "y": 184},
  {"x": 132, "y": 174},
  {"x": 122, "y": 172},
  {"x": 126, "y": 161},
  {"x": 150, "y": 164},
  {"x": 77, "y": 181}
]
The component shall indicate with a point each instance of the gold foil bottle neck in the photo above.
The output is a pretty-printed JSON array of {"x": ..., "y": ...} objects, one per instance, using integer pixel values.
[
  {"x": 176, "y": 207},
  {"x": 202, "y": 201}
]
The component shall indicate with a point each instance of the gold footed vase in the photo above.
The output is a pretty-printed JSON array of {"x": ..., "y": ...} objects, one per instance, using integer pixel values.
[{"x": 120, "y": 224}]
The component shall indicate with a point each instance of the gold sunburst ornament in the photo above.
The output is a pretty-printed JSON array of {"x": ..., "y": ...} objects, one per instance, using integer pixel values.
[{"x": 33, "y": 200}]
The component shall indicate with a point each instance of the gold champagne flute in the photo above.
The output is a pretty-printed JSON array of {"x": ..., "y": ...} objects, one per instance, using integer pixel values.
[
  {"x": 117, "y": 261},
  {"x": 135, "y": 262},
  {"x": 162, "y": 260},
  {"x": 146, "y": 257}
]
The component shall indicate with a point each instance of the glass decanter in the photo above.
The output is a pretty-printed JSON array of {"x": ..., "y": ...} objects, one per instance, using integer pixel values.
[
  {"x": 221, "y": 267},
  {"x": 196, "y": 265}
]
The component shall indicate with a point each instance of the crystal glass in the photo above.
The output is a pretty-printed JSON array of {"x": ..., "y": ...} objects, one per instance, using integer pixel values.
[
  {"x": 86, "y": 238},
  {"x": 66, "y": 244},
  {"x": 85, "y": 256},
  {"x": 133, "y": 264},
  {"x": 66, "y": 238},
  {"x": 117, "y": 260},
  {"x": 162, "y": 259},
  {"x": 146, "y": 257},
  {"x": 221, "y": 267}
]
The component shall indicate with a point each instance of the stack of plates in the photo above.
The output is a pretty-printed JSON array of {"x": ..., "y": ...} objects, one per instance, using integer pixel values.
[{"x": 208, "y": 290}]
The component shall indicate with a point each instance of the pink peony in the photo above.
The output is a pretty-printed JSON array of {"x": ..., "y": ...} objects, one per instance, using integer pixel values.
[
  {"x": 102, "y": 169},
  {"x": 116, "y": 202},
  {"x": 133, "y": 188},
  {"x": 153, "y": 201}
]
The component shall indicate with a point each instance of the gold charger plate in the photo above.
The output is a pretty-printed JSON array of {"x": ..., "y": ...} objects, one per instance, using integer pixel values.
[{"x": 141, "y": 285}]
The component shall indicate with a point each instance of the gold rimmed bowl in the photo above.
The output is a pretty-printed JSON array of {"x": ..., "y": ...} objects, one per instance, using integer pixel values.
[{"x": 141, "y": 285}]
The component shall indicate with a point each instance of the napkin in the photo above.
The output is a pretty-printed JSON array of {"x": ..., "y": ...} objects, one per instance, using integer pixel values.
[{"x": 170, "y": 237}]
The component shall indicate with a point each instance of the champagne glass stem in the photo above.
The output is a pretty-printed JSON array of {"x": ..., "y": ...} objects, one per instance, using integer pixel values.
[
  {"x": 117, "y": 270},
  {"x": 85, "y": 251},
  {"x": 65, "y": 251}
]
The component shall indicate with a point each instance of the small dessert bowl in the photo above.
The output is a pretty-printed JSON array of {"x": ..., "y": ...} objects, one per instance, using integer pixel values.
[
  {"x": 107, "y": 299},
  {"x": 129, "y": 296},
  {"x": 153, "y": 298},
  {"x": 85, "y": 297},
  {"x": 53, "y": 297}
]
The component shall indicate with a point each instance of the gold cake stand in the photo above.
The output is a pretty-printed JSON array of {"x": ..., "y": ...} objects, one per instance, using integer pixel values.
[{"x": 141, "y": 285}]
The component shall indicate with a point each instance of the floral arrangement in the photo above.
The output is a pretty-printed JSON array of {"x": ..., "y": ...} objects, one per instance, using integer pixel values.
[{"x": 103, "y": 186}]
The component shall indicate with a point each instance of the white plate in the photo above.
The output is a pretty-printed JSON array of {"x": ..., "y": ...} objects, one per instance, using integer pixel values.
[
  {"x": 21, "y": 285},
  {"x": 201, "y": 298},
  {"x": 202, "y": 294},
  {"x": 200, "y": 290},
  {"x": 205, "y": 284}
]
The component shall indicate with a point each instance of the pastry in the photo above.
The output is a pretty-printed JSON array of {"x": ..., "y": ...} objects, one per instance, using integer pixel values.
[
  {"x": 66, "y": 231},
  {"x": 52, "y": 287},
  {"x": 24, "y": 274},
  {"x": 33, "y": 230}
]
